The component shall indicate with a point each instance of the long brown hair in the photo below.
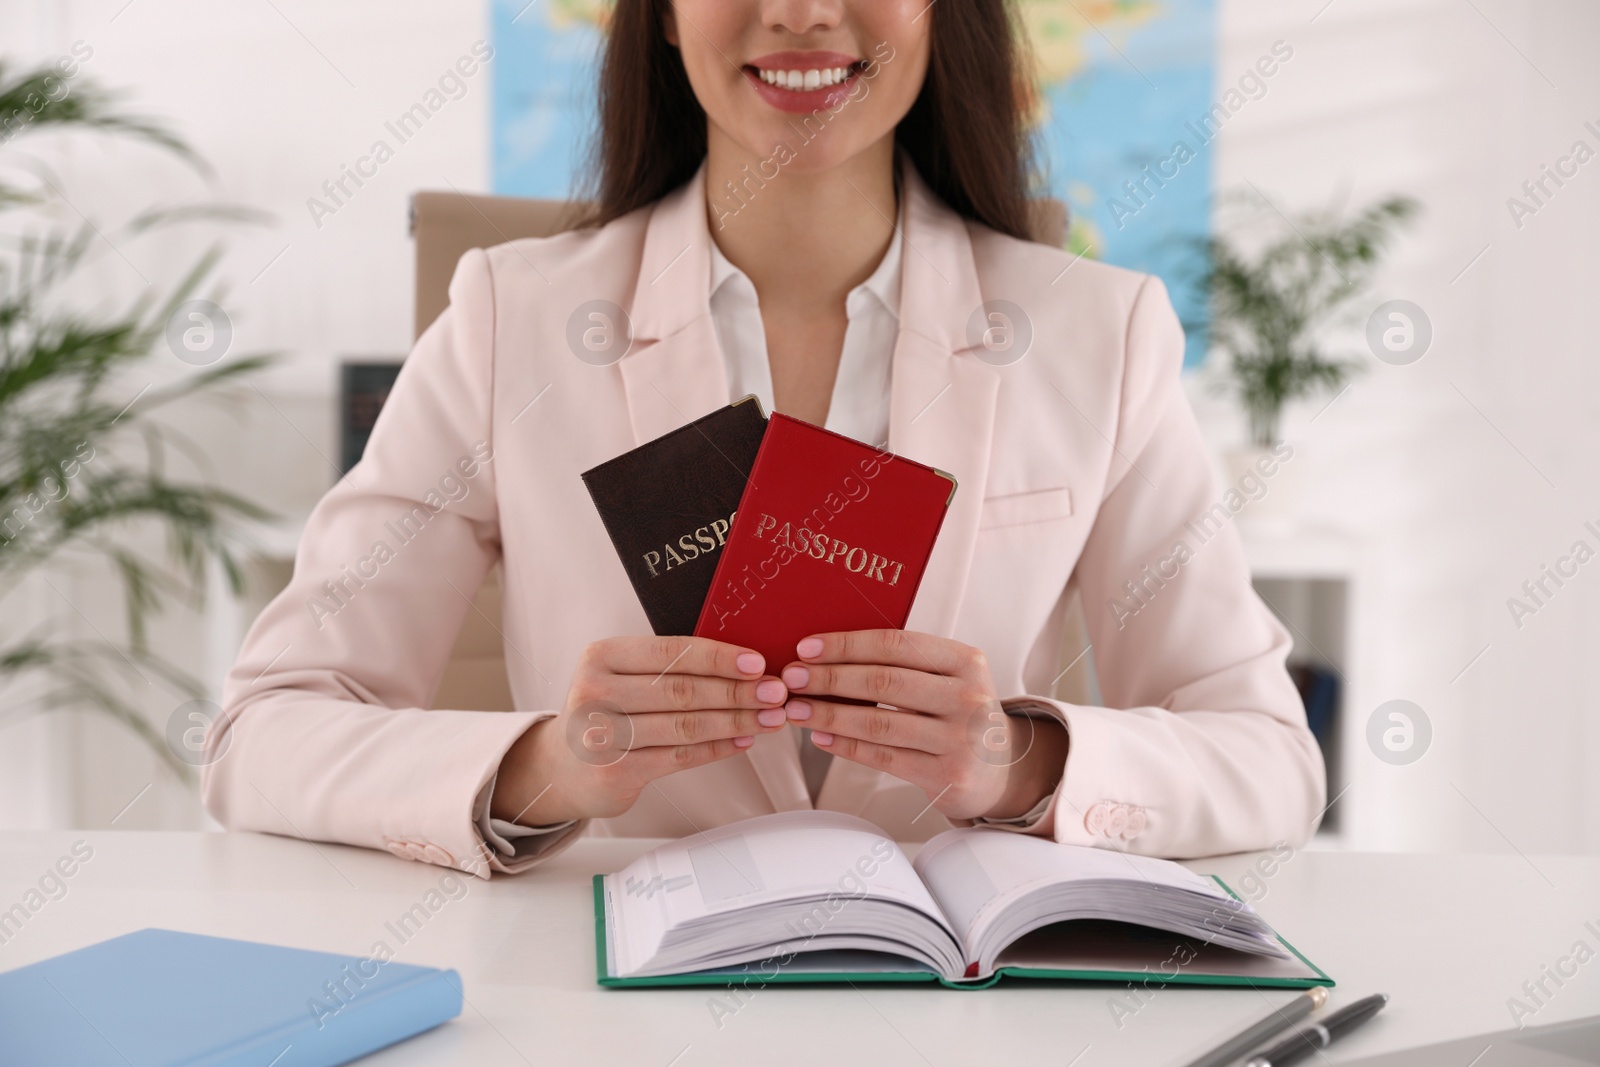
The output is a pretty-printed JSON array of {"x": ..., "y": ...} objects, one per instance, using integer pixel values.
[{"x": 966, "y": 131}]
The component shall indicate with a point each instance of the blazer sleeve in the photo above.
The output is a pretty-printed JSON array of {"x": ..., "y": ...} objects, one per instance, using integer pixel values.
[
  {"x": 324, "y": 733},
  {"x": 1203, "y": 746}
]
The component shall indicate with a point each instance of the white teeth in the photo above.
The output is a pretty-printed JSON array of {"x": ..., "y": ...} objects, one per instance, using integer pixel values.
[{"x": 804, "y": 80}]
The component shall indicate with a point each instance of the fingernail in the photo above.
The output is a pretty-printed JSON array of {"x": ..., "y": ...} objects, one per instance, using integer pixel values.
[
  {"x": 743, "y": 742},
  {"x": 799, "y": 710},
  {"x": 771, "y": 717},
  {"x": 796, "y": 677},
  {"x": 821, "y": 738},
  {"x": 808, "y": 647},
  {"x": 771, "y": 691},
  {"x": 750, "y": 662}
]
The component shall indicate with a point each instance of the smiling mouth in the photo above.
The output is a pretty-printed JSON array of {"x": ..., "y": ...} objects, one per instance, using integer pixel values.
[{"x": 809, "y": 79}]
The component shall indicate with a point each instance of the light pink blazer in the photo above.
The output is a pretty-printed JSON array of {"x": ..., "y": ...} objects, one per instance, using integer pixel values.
[{"x": 1079, "y": 465}]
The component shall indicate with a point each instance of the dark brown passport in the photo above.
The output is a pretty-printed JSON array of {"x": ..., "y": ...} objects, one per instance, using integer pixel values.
[{"x": 669, "y": 503}]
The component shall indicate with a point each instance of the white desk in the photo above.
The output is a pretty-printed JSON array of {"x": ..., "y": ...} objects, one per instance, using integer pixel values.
[{"x": 1449, "y": 937}]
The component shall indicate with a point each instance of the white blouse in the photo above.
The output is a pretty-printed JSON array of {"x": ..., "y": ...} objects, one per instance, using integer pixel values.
[{"x": 859, "y": 407}]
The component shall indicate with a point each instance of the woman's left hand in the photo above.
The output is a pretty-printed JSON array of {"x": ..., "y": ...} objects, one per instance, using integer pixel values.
[{"x": 944, "y": 731}]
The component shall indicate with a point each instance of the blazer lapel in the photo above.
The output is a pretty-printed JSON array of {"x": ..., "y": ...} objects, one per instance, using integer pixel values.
[
  {"x": 941, "y": 413},
  {"x": 942, "y": 396},
  {"x": 674, "y": 373}
]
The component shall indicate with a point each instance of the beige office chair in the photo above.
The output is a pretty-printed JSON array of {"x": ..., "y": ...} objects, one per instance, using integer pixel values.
[{"x": 445, "y": 225}]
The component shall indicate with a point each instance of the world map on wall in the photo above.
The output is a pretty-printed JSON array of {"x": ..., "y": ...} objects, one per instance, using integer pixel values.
[{"x": 1123, "y": 90}]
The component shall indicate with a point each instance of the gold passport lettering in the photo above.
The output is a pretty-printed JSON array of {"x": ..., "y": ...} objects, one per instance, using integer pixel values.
[
  {"x": 737, "y": 591},
  {"x": 803, "y": 541},
  {"x": 702, "y": 541}
]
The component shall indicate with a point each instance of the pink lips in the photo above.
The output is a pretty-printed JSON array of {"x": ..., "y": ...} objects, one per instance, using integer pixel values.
[{"x": 802, "y": 101}]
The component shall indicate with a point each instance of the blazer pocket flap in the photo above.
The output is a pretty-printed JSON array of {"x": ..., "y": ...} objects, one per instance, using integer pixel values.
[{"x": 1033, "y": 505}]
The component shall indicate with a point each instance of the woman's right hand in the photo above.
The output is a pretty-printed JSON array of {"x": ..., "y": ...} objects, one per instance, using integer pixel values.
[{"x": 638, "y": 709}]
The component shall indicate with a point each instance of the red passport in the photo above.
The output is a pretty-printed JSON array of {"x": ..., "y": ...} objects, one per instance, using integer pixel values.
[{"x": 830, "y": 534}]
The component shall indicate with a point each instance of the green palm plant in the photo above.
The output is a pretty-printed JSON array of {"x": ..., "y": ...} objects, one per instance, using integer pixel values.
[
  {"x": 84, "y": 455},
  {"x": 1269, "y": 307}
]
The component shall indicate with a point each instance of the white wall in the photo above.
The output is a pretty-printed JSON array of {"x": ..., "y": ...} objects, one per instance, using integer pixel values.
[{"x": 1442, "y": 469}]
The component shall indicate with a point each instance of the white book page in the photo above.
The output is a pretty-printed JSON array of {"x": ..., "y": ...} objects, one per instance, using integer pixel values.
[
  {"x": 974, "y": 874},
  {"x": 774, "y": 858}
]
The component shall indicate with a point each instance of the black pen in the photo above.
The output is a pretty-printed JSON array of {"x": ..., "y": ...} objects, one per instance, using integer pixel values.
[
  {"x": 1320, "y": 1035},
  {"x": 1274, "y": 1023}
]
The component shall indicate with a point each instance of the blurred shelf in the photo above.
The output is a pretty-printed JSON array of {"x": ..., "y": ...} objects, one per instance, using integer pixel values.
[
  {"x": 1311, "y": 577},
  {"x": 1288, "y": 549}
]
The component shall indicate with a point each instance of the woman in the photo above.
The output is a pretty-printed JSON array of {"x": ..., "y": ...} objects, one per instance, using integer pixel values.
[{"x": 823, "y": 203}]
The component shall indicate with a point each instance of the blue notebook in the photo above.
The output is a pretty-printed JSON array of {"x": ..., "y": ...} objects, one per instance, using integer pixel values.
[{"x": 158, "y": 998}]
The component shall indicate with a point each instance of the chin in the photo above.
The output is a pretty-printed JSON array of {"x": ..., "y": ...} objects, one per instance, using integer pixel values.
[{"x": 790, "y": 146}]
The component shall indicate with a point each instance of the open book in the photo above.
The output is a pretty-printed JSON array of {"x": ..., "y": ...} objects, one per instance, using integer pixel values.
[{"x": 809, "y": 896}]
